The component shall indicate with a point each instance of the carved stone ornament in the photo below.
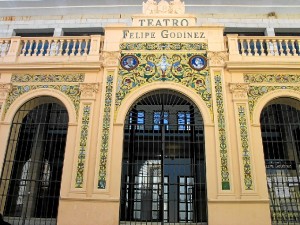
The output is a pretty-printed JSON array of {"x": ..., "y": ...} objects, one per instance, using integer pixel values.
[
  {"x": 5, "y": 88},
  {"x": 239, "y": 90},
  {"x": 164, "y": 7},
  {"x": 89, "y": 90},
  {"x": 217, "y": 58},
  {"x": 111, "y": 59}
]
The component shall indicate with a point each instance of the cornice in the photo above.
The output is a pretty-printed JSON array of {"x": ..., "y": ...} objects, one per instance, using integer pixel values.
[
  {"x": 49, "y": 65},
  {"x": 266, "y": 65}
]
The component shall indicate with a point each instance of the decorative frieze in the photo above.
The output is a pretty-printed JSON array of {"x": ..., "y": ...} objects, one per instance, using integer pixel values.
[
  {"x": 239, "y": 90},
  {"x": 83, "y": 144},
  {"x": 271, "y": 78},
  {"x": 222, "y": 131},
  {"x": 174, "y": 46},
  {"x": 244, "y": 137},
  {"x": 272, "y": 82},
  {"x": 25, "y": 78},
  {"x": 72, "y": 91},
  {"x": 167, "y": 68},
  {"x": 89, "y": 90},
  {"x": 105, "y": 131}
]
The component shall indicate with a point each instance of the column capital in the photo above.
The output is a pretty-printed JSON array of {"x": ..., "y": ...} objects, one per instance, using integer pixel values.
[
  {"x": 239, "y": 90},
  {"x": 89, "y": 90}
]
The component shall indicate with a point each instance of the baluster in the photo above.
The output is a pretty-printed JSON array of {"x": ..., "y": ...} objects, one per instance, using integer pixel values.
[
  {"x": 86, "y": 42},
  {"x": 61, "y": 43},
  {"x": 42, "y": 48},
  {"x": 80, "y": 49},
  {"x": 73, "y": 47},
  {"x": 293, "y": 50},
  {"x": 249, "y": 52},
  {"x": 255, "y": 50},
  {"x": 275, "y": 46},
  {"x": 2, "y": 51},
  {"x": 263, "y": 50},
  {"x": 242, "y": 47},
  {"x": 48, "y": 48},
  {"x": 24, "y": 47},
  {"x": 30, "y": 48},
  {"x": 297, "y": 47},
  {"x": 67, "y": 48},
  {"x": 35, "y": 49},
  {"x": 270, "y": 47},
  {"x": 287, "y": 49},
  {"x": 281, "y": 53}
]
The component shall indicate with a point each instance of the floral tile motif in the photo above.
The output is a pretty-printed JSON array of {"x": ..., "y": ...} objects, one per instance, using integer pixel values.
[
  {"x": 163, "y": 46},
  {"x": 105, "y": 132},
  {"x": 248, "y": 182},
  {"x": 256, "y": 92},
  {"x": 72, "y": 91},
  {"x": 48, "y": 77},
  {"x": 222, "y": 132},
  {"x": 82, "y": 145},
  {"x": 271, "y": 78},
  {"x": 164, "y": 67}
]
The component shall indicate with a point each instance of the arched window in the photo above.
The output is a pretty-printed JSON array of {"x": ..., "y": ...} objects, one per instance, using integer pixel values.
[{"x": 32, "y": 169}]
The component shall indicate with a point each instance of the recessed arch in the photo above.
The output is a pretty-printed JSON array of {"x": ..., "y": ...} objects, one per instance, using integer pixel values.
[
  {"x": 136, "y": 94},
  {"x": 33, "y": 164},
  {"x": 269, "y": 97},
  {"x": 280, "y": 132},
  {"x": 14, "y": 107},
  {"x": 163, "y": 167}
]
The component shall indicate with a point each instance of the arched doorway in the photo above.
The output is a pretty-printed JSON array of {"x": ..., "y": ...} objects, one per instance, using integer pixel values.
[
  {"x": 280, "y": 126},
  {"x": 163, "y": 166},
  {"x": 33, "y": 163}
]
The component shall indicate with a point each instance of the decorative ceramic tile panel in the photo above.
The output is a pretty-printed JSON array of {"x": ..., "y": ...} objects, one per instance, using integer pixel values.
[
  {"x": 256, "y": 92},
  {"x": 83, "y": 145},
  {"x": 222, "y": 132},
  {"x": 163, "y": 46},
  {"x": 271, "y": 78},
  {"x": 48, "y": 77},
  {"x": 105, "y": 132},
  {"x": 72, "y": 91},
  {"x": 164, "y": 67},
  {"x": 244, "y": 135}
]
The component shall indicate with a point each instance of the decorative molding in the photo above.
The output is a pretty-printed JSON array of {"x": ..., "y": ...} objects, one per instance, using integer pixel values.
[
  {"x": 89, "y": 90},
  {"x": 222, "y": 131},
  {"x": 105, "y": 131},
  {"x": 72, "y": 91},
  {"x": 272, "y": 82},
  {"x": 244, "y": 135},
  {"x": 164, "y": 67},
  {"x": 271, "y": 78},
  {"x": 5, "y": 88},
  {"x": 70, "y": 77},
  {"x": 217, "y": 58},
  {"x": 83, "y": 145},
  {"x": 152, "y": 46},
  {"x": 239, "y": 91},
  {"x": 163, "y": 7},
  {"x": 111, "y": 59}
]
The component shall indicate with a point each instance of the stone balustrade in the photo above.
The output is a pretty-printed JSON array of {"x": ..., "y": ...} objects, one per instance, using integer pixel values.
[
  {"x": 16, "y": 49},
  {"x": 258, "y": 46}
]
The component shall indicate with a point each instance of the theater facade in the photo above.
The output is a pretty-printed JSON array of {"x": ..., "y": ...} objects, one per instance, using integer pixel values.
[{"x": 162, "y": 121}]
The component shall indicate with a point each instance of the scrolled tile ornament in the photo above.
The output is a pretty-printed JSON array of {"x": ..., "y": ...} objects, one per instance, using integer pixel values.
[
  {"x": 198, "y": 62},
  {"x": 129, "y": 62}
]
